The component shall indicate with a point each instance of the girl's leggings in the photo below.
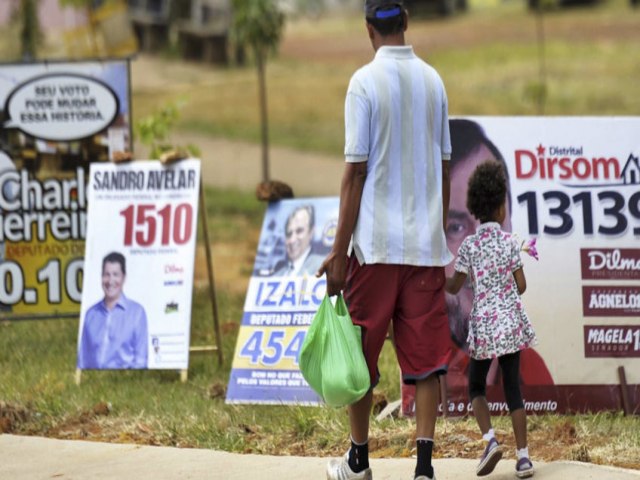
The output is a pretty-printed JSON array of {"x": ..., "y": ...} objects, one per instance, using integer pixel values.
[{"x": 510, "y": 366}]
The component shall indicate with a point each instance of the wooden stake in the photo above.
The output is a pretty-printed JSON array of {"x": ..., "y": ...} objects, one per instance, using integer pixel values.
[
  {"x": 212, "y": 291},
  {"x": 626, "y": 408}
]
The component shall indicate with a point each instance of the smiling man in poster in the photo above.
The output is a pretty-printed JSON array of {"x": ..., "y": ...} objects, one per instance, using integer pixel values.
[
  {"x": 299, "y": 232},
  {"x": 115, "y": 332},
  {"x": 281, "y": 302}
]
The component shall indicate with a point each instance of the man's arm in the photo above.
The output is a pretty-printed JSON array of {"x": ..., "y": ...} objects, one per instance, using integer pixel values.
[
  {"x": 335, "y": 265},
  {"x": 455, "y": 283}
]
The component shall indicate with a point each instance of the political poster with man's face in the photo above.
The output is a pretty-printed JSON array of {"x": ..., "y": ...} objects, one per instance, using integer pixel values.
[
  {"x": 57, "y": 118},
  {"x": 574, "y": 187},
  {"x": 282, "y": 299},
  {"x": 139, "y": 264}
]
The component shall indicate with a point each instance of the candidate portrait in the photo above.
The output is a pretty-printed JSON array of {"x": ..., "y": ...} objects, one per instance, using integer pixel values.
[
  {"x": 299, "y": 232},
  {"x": 114, "y": 331}
]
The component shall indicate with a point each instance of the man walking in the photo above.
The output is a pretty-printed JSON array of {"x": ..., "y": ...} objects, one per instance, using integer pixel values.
[{"x": 393, "y": 202}]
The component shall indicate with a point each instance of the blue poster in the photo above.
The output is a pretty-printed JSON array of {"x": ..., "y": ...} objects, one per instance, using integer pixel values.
[{"x": 282, "y": 298}]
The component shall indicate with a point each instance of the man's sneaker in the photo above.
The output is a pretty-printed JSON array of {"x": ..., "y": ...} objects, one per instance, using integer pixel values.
[
  {"x": 490, "y": 458},
  {"x": 524, "y": 468},
  {"x": 338, "y": 469}
]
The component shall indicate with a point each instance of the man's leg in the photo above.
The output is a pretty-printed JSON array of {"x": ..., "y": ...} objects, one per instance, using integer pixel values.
[
  {"x": 355, "y": 464},
  {"x": 370, "y": 297},
  {"x": 359, "y": 414},
  {"x": 427, "y": 396},
  {"x": 421, "y": 330}
]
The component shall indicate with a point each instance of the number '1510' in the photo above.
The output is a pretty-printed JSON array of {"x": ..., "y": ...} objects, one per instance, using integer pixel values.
[{"x": 141, "y": 224}]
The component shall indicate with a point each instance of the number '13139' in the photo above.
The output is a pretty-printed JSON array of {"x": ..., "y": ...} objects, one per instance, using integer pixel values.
[{"x": 612, "y": 206}]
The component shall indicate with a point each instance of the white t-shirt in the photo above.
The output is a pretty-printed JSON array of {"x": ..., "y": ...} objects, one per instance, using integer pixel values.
[{"x": 396, "y": 119}]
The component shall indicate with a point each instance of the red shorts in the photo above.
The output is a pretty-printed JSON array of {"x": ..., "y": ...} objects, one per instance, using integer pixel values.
[{"x": 413, "y": 299}]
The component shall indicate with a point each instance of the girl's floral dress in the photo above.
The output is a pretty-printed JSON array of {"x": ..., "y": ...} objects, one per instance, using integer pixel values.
[{"x": 498, "y": 324}]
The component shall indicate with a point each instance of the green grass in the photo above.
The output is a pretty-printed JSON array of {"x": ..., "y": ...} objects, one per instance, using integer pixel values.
[
  {"x": 39, "y": 396},
  {"x": 231, "y": 213},
  {"x": 488, "y": 60}
]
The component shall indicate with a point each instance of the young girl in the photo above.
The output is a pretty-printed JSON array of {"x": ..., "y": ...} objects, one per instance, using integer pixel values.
[{"x": 498, "y": 325}]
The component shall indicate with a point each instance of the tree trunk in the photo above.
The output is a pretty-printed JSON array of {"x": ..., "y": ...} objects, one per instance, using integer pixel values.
[
  {"x": 30, "y": 29},
  {"x": 542, "y": 90},
  {"x": 262, "y": 90}
]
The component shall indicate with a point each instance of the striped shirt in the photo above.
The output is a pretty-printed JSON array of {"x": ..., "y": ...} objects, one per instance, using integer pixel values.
[{"x": 396, "y": 120}]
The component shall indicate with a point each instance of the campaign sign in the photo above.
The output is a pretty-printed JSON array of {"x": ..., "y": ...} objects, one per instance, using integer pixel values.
[
  {"x": 57, "y": 118},
  {"x": 282, "y": 299},
  {"x": 139, "y": 263},
  {"x": 574, "y": 186},
  {"x": 61, "y": 107}
]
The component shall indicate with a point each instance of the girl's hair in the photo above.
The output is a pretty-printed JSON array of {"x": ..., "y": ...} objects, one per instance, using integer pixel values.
[{"x": 487, "y": 190}]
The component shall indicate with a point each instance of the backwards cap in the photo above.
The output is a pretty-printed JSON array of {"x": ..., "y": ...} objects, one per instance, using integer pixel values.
[{"x": 382, "y": 8}]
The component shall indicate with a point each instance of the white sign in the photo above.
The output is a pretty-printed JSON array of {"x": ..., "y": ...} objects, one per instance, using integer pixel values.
[
  {"x": 138, "y": 271},
  {"x": 61, "y": 107},
  {"x": 574, "y": 186}
]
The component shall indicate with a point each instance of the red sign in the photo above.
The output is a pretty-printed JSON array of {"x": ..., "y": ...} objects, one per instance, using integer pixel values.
[
  {"x": 611, "y": 341},
  {"x": 611, "y": 301},
  {"x": 610, "y": 263}
]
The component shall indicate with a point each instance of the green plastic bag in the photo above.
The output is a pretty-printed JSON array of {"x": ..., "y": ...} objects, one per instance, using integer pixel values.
[{"x": 331, "y": 358}]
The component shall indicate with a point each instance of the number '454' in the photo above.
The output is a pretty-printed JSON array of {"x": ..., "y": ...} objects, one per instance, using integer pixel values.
[{"x": 274, "y": 349}]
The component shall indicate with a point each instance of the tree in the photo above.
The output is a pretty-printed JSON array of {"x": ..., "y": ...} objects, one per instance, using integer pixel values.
[
  {"x": 88, "y": 6},
  {"x": 75, "y": 3},
  {"x": 258, "y": 25},
  {"x": 154, "y": 131},
  {"x": 30, "y": 34}
]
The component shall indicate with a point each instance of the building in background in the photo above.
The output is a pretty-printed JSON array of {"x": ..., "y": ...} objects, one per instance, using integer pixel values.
[
  {"x": 101, "y": 30},
  {"x": 205, "y": 34}
]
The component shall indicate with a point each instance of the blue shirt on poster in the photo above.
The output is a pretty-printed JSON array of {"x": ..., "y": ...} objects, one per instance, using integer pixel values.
[{"x": 114, "y": 339}]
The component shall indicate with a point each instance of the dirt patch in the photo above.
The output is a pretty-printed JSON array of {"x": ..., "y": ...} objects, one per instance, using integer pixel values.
[{"x": 11, "y": 417}]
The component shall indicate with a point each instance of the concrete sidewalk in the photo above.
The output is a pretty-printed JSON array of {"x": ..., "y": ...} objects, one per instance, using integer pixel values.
[{"x": 35, "y": 458}]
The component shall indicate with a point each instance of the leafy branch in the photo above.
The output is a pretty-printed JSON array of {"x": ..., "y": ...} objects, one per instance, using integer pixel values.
[{"x": 154, "y": 131}]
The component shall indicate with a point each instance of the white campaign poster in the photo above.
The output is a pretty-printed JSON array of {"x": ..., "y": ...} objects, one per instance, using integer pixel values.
[
  {"x": 138, "y": 269},
  {"x": 575, "y": 188}
]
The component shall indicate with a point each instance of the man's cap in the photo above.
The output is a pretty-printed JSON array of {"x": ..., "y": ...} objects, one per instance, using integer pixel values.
[{"x": 382, "y": 8}]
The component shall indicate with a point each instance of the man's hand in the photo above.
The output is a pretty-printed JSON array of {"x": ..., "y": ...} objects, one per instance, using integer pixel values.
[{"x": 335, "y": 266}]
